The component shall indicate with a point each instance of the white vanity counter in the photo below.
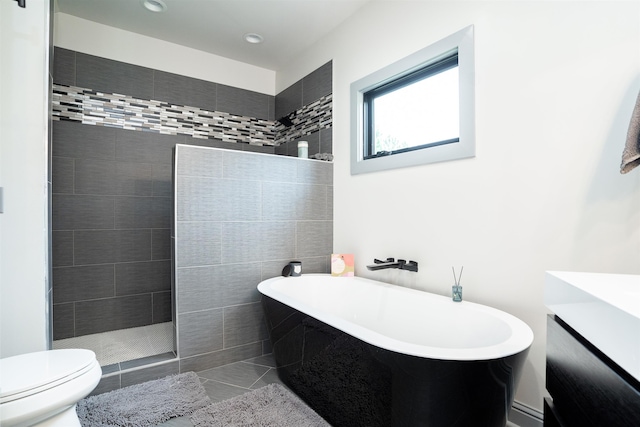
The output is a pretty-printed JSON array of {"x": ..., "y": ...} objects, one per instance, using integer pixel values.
[{"x": 603, "y": 308}]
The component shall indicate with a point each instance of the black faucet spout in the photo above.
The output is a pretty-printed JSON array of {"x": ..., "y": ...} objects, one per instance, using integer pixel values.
[
  {"x": 392, "y": 263},
  {"x": 383, "y": 266}
]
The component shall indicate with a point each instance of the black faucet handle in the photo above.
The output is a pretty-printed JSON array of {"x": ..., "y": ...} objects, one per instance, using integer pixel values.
[
  {"x": 377, "y": 261},
  {"x": 411, "y": 266}
]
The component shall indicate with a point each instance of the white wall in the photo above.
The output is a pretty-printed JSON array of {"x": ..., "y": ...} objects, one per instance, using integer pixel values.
[
  {"x": 24, "y": 43},
  {"x": 89, "y": 37},
  {"x": 555, "y": 87}
]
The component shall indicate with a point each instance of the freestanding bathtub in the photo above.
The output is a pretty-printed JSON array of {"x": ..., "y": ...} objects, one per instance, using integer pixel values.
[{"x": 366, "y": 353}]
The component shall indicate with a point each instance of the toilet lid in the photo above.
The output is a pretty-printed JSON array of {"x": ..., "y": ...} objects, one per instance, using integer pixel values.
[{"x": 19, "y": 374}]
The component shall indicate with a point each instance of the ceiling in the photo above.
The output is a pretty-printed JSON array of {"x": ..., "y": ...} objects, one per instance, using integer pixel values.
[{"x": 218, "y": 26}]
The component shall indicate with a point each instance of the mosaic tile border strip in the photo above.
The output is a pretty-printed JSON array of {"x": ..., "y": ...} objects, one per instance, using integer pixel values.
[
  {"x": 103, "y": 109},
  {"x": 307, "y": 120}
]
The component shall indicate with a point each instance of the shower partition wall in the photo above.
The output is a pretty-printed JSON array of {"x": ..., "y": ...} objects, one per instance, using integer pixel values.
[{"x": 239, "y": 219}]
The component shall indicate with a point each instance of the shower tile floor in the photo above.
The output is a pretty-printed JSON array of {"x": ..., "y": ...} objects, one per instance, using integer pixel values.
[{"x": 124, "y": 344}]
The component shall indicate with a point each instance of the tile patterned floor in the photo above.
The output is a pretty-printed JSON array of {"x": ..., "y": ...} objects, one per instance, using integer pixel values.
[
  {"x": 220, "y": 383},
  {"x": 233, "y": 380}
]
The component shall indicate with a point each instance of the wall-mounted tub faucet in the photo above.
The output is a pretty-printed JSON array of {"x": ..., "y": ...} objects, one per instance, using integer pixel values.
[{"x": 392, "y": 263}]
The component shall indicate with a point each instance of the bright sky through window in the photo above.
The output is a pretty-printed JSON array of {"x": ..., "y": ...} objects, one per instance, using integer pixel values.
[{"x": 423, "y": 112}]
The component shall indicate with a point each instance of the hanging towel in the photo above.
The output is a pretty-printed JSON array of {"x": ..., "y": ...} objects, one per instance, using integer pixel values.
[{"x": 631, "y": 153}]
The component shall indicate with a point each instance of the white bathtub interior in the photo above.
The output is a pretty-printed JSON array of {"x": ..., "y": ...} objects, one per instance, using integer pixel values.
[{"x": 402, "y": 319}]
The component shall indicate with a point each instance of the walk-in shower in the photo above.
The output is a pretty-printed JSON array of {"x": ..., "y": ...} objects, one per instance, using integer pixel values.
[
  {"x": 112, "y": 198},
  {"x": 111, "y": 241}
]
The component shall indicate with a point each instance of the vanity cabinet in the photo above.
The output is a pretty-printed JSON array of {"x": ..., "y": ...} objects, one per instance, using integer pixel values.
[{"x": 587, "y": 388}]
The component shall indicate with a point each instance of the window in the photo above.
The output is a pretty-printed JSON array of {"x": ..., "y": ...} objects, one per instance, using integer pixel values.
[
  {"x": 415, "y": 111},
  {"x": 418, "y": 110}
]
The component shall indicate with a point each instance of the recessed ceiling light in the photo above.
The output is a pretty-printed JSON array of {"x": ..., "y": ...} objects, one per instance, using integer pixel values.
[
  {"x": 154, "y": 5},
  {"x": 253, "y": 38}
]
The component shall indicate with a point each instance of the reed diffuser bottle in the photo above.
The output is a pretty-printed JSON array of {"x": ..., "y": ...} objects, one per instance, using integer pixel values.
[{"x": 456, "y": 290}]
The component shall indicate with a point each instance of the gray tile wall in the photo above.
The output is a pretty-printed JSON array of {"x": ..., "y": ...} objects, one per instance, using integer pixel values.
[
  {"x": 112, "y": 210},
  {"x": 112, "y": 215},
  {"x": 111, "y": 219},
  {"x": 74, "y": 103},
  {"x": 305, "y": 91},
  {"x": 112, "y": 199},
  {"x": 105, "y": 75},
  {"x": 240, "y": 217},
  {"x": 295, "y": 98},
  {"x": 201, "y": 109}
]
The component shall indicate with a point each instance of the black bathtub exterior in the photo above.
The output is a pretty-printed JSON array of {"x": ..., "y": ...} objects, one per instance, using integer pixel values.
[{"x": 352, "y": 383}]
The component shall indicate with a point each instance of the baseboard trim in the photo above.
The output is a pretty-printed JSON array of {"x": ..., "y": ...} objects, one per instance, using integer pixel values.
[{"x": 525, "y": 416}]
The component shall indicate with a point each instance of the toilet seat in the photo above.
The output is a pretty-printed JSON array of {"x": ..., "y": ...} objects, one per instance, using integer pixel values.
[
  {"x": 32, "y": 373},
  {"x": 43, "y": 388}
]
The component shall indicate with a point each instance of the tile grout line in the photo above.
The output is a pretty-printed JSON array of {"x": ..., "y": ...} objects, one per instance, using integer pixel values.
[
  {"x": 261, "y": 376},
  {"x": 225, "y": 383},
  {"x": 257, "y": 364}
]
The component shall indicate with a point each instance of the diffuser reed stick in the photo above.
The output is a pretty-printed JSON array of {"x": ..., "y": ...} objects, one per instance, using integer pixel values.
[{"x": 457, "y": 282}]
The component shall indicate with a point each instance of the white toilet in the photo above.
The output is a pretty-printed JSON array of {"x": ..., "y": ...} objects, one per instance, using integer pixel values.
[{"x": 42, "y": 389}]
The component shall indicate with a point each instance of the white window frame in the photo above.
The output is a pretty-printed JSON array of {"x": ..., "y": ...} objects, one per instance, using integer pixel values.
[{"x": 462, "y": 42}]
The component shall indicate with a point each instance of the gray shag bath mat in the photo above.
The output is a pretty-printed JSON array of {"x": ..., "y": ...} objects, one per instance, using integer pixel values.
[
  {"x": 269, "y": 406},
  {"x": 145, "y": 404}
]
